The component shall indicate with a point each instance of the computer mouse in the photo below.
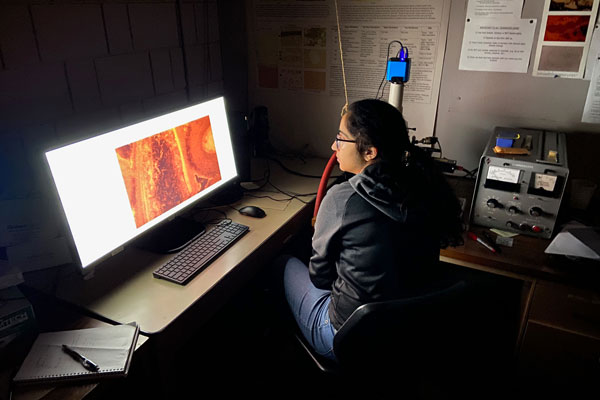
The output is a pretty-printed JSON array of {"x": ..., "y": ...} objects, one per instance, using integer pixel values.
[{"x": 253, "y": 211}]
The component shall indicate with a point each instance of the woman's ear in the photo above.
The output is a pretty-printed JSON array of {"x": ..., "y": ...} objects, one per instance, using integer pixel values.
[{"x": 370, "y": 154}]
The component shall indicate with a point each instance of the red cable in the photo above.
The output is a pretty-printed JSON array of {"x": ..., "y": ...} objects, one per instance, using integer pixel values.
[{"x": 323, "y": 185}]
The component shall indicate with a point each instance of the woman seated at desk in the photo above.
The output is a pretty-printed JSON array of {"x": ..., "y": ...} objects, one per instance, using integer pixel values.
[{"x": 375, "y": 234}]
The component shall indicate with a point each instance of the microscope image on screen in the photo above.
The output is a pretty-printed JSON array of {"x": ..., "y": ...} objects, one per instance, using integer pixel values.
[
  {"x": 118, "y": 185},
  {"x": 165, "y": 169}
]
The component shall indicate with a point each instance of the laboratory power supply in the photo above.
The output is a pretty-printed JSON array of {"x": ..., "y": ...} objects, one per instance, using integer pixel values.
[{"x": 521, "y": 181}]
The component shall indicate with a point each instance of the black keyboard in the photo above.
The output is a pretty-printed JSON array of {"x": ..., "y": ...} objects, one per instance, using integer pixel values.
[{"x": 201, "y": 252}]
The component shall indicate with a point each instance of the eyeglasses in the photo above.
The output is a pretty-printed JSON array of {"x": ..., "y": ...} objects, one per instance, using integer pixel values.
[{"x": 338, "y": 140}]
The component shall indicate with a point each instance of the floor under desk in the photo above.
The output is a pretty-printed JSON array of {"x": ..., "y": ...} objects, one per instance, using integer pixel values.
[{"x": 248, "y": 347}]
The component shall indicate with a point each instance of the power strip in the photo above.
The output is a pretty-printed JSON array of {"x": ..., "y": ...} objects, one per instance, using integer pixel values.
[{"x": 445, "y": 165}]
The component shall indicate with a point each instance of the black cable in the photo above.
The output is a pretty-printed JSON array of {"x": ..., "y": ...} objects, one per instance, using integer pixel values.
[
  {"x": 217, "y": 221},
  {"x": 269, "y": 197},
  {"x": 292, "y": 196},
  {"x": 268, "y": 182},
  {"x": 266, "y": 177},
  {"x": 300, "y": 154},
  {"x": 214, "y": 221},
  {"x": 292, "y": 171},
  {"x": 206, "y": 211},
  {"x": 264, "y": 197},
  {"x": 186, "y": 73},
  {"x": 468, "y": 173},
  {"x": 230, "y": 206},
  {"x": 473, "y": 173}
]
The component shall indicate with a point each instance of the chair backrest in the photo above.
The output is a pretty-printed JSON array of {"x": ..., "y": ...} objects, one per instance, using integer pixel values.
[{"x": 404, "y": 335}]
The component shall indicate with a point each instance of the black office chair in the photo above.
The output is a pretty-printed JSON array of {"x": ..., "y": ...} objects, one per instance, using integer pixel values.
[{"x": 404, "y": 339}]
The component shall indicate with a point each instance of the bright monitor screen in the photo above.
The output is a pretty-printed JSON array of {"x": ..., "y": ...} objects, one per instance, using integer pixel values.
[{"x": 115, "y": 186}]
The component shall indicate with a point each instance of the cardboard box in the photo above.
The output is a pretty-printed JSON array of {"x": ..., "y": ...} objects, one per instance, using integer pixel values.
[{"x": 16, "y": 315}]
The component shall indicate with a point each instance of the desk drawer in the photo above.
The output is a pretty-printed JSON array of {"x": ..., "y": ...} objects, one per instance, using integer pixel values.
[
  {"x": 566, "y": 307},
  {"x": 559, "y": 355}
]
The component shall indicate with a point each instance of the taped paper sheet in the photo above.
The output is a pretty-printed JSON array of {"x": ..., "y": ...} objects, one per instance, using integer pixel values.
[
  {"x": 591, "y": 110},
  {"x": 494, "y": 8},
  {"x": 497, "y": 44}
]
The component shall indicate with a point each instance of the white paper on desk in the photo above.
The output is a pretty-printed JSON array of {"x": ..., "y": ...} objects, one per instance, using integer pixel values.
[
  {"x": 111, "y": 347},
  {"x": 576, "y": 242}
]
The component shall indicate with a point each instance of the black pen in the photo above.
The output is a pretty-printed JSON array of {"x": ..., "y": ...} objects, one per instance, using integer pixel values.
[
  {"x": 490, "y": 240},
  {"x": 86, "y": 362}
]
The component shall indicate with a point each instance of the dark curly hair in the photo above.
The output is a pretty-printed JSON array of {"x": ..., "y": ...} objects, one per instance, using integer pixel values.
[{"x": 375, "y": 123}]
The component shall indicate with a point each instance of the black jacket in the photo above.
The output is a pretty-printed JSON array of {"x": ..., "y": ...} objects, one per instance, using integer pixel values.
[{"x": 371, "y": 243}]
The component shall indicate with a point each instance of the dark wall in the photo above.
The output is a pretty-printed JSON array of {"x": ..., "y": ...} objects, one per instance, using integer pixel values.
[
  {"x": 74, "y": 69},
  {"x": 584, "y": 168}
]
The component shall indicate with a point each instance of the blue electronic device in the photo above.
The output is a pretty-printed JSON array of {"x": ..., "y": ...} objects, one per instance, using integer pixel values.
[{"x": 398, "y": 70}]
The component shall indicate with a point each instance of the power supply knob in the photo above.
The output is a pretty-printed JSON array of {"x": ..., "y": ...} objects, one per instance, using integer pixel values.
[
  {"x": 536, "y": 211},
  {"x": 513, "y": 210},
  {"x": 511, "y": 224},
  {"x": 493, "y": 203},
  {"x": 537, "y": 229},
  {"x": 524, "y": 227}
]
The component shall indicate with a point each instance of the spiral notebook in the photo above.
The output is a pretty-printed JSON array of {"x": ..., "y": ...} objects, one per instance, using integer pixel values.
[{"x": 110, "y": 347}]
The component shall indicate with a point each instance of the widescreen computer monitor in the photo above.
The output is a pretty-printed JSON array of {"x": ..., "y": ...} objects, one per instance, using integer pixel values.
[{"x": 118, "y": 185}]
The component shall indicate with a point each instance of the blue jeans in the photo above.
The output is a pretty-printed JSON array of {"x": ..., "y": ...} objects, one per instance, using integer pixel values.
[{"x": 310, "y": 307}]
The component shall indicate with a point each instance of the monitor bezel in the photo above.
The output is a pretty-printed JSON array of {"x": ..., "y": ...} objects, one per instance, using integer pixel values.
[{"x": 88, "y": 269}]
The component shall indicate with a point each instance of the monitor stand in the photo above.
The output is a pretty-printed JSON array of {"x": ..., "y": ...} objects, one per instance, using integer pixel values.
[
  {"x": 228, "y": 195},
  {"x": 171, "y": 236}
]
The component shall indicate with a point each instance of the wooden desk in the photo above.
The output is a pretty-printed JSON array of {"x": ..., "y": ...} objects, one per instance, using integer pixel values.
[
  {"x": 525, "y": 260},
  {"x": 123, "y": 288},
  {"x": 559, "y": 329}
]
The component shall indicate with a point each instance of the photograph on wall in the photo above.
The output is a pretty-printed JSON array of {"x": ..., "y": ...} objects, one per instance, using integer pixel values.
[
  {"x": 571, "y": 5},
  {"x": 564, "y": 39},
  {"x": 559, "y": 58},
  {"x": 567, "y": 28}
]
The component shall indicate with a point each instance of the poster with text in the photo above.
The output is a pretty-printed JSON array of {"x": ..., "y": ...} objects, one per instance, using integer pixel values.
[{"x": 296, "y": 56}]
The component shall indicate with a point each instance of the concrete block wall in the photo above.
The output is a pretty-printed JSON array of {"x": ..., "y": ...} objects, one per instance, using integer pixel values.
[{"x": 71, "y": 69}]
